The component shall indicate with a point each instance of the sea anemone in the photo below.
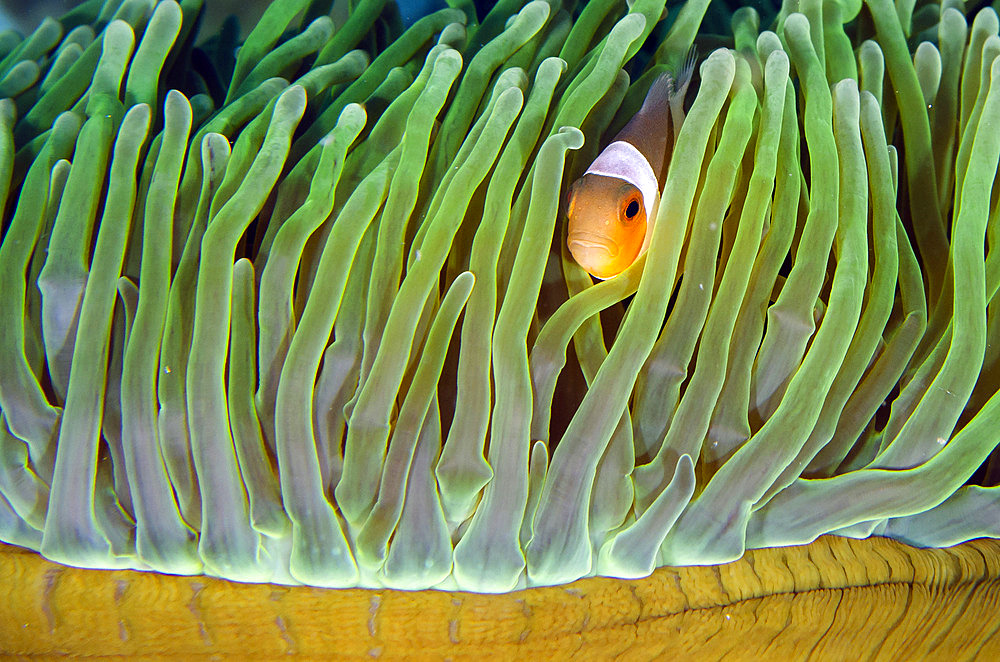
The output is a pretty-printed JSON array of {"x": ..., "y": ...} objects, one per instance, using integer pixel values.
[{"x": 307, "y": 317}]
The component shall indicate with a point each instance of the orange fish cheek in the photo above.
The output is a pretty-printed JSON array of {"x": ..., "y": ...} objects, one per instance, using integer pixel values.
[
  {"x": 629, "y": 239},
  {"x": 637, "y": 238}
]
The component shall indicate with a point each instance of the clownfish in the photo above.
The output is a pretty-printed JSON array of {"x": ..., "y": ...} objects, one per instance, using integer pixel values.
[{"x": 612, "y": 207}]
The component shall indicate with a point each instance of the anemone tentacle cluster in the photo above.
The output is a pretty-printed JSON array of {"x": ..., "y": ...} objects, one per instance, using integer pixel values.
[{"x": 306, "y": 315}]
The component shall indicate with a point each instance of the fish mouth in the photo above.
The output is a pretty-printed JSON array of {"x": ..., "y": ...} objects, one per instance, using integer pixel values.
[{"x": 589, "y": 244}]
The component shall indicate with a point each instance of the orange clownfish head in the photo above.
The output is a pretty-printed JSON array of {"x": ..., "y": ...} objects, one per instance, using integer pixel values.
[{"x": 606, "y": 224}]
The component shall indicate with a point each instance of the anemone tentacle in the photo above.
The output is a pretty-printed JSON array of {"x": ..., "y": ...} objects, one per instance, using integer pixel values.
[{"x": 302, "y": 312}]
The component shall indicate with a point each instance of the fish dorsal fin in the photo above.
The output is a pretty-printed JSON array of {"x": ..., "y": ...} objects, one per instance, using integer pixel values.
[
  {"x": 683, "y": 82},
  {"x": 654, "y": 127}
]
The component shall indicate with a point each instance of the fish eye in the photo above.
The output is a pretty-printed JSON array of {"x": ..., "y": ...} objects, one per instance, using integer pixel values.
[
  {"x": 630, "y": 210},
  {"x": 570, "y": 199}
]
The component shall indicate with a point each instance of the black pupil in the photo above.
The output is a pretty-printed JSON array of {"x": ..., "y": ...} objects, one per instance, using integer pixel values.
[{"x": 632, "y": 209}]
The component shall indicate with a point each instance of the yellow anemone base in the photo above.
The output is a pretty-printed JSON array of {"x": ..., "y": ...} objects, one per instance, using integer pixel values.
[{"x": 837, "y": 598}]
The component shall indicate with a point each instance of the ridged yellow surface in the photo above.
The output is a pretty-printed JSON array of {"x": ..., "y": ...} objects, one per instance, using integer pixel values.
[{"x": 834, "y": 599}]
